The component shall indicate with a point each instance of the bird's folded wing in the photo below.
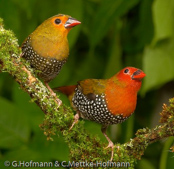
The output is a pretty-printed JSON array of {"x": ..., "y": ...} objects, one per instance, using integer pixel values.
[{"x": 92, "y": 87}]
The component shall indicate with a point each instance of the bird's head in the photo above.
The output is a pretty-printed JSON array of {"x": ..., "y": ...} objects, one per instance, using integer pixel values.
[
  {"x": 56, "y": 26},
  {"x": 131, "y": 76},
  {"x": 64, "y": 22},
  {"x": 50, "y": 38}
]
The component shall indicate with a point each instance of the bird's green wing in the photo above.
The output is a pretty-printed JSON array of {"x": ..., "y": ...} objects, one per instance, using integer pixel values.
[{"x": 92, "y": 87}]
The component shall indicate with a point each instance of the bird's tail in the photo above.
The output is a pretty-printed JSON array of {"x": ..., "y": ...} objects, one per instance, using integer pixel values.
[{"x": 67, "y": 90}]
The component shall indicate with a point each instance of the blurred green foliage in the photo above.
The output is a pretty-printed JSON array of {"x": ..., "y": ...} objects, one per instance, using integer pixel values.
[{"x": 113, "y": 34}]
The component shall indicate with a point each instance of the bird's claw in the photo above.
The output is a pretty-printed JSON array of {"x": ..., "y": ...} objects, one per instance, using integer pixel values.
[
  {"x": 58, "y": 101},
  {"x": 53, "y": 94},
  {"x": 72, "y": 125},
  {"x": 76, "y": 119},
  {"x": 111, "y": 145}
]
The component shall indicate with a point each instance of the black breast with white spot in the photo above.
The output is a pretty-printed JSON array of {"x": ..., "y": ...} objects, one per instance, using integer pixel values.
[
  {"x": 48, "y": 68},
  {"x": 95, "y": 109}
]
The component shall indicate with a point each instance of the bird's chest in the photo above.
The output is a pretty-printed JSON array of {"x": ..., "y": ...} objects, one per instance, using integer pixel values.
[
  {"x": 47, "y": 67},
  {"x": 121, "y": 101},
  {"x": 95, "y": 109}
]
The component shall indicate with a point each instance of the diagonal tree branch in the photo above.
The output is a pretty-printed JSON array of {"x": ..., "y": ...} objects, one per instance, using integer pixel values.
[{"x": 82, "y": 145}]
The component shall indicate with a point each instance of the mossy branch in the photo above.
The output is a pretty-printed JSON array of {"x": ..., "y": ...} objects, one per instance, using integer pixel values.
[{"x": 82, "y": 145}]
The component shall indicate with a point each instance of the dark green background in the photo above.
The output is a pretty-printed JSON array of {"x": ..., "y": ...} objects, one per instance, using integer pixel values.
[{"x": 113, "y": 34}]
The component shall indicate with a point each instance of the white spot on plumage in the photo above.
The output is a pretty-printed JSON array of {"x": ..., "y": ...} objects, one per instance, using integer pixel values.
[{"x": 96, "y": 109}]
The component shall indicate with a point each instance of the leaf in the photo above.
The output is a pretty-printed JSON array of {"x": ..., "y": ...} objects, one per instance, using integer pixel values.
[
  {"x": 10, "y": 20},
  {"x": 39, "y": 149},
  {"x": 107, "y": 13},
  {"x": 14, "y": 126},
  {"x": 144, "y": 164},
  {"x": 32, "y": 112},
  {"x": 114, "y": 55},
  {"x": 137, "y": 30},
  {"x": 145, "y": 31},
  {"x": 26, "y": 6},
  {"x": 158, "y": 58},
  {"x": 158, "y": 65},
  {"x": 163, "y": 19},
  {"x": 166, "y": 159}
]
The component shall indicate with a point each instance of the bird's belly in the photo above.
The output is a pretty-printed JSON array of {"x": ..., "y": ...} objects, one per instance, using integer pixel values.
[
  {"x": 95, "y": 110},
  {"x": 48, "y": 68}
]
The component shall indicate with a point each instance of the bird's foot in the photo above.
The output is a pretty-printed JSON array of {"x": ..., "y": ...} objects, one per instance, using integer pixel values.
[
  {"x": 58, "y": 101},
  {"x": 76, "y": 119},
  {"x": 111, "y": 145}
]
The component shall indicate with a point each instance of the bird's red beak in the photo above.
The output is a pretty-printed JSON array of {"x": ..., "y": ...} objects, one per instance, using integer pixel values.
[
  {"x": 138, "y": 75},
  {"x": 71, "y": 22}
]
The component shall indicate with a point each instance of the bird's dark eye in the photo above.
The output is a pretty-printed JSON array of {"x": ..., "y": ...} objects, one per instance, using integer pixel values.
[
  {"x": 57, "y": 21},
  {"x": 126, "y": 71}
]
